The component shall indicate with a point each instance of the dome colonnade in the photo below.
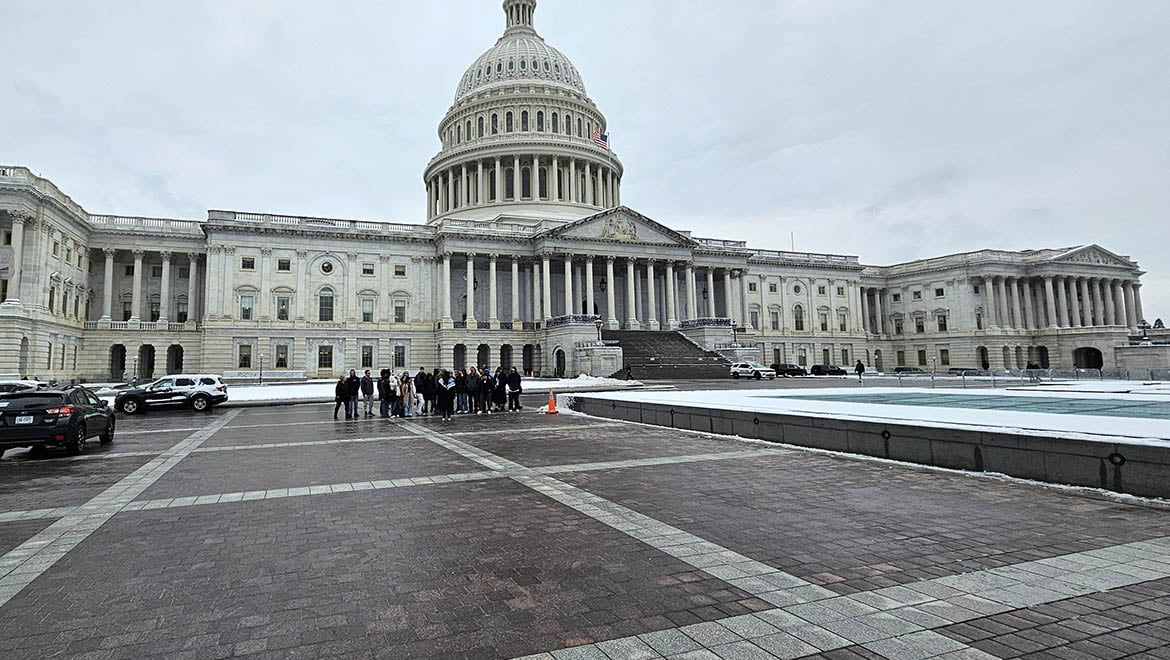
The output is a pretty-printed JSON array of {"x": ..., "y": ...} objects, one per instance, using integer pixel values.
[{"x": 522, "y": 130}]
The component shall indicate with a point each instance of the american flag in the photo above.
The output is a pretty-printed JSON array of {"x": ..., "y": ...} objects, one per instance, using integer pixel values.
[{"x": 601, "y": 139}]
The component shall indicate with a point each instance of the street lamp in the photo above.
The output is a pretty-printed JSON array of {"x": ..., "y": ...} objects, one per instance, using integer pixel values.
[
  {"x": 1144, "y": 326},
  {"x": 262, "y": 356},
  {"x": 597, "y": 323},
  {"x": 735, "y": 330}
]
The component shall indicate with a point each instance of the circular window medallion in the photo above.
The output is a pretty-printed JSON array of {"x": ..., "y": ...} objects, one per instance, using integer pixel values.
[
  {"x": 327, "y": 267},
  {"x": 796, "y": 289}
]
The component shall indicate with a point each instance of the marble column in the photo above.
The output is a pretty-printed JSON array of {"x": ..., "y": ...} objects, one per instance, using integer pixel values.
[
  {"x": 710, "y": 292},
  {"x": 536, "y": 309},
  {"x": 19, "y": 218},
  {"x": 447, "y": 287},
  {"x": 480, "y": 182},
  {"x": 610, "y": 298},
  {"x": 499, "y": 175},
  {"x": 1095, "y": 295},
  {"x": 546, "y": 286},
  {"x": 573, "y": 180},
  {"x": 1025, "y": 289},
  {"x": 1050, "y": 302},
  {"x": 631, "y": 302},
  {"x": 651, "y": 302},
  {"x": 745, "y": 318},
  {"x": 728, "y": 297},
  {"x": 865, "y": 309},
  {"x": 1062, "y": 316},
  {"x": 554, "y": 185},
  {"x": 1118, "y": 304},
  {"x": 493, "y": 299},
  {"x": 671, "y": 316},
  {"x": 516, "y": 189},
  {"x": 589, "y": 294},
  {"x": 164, "y": 291},
  {"x": 192, "y": 285},
  {"x": 1001, "y": 298},
  {"x": 1137, "y": 302},
  {"x": 879, "y": 326},
  {"x": 588, "y": 183},
  {"x": 516, "y": 294},
  {"x": 469, "y": 309},
  {"x": 1086, "y": 303},
  {"x": 1074, "y": 303},
  {"x": 689, "y": 274},
  {"x": 990, "y": 308},
  {"x": 568, "y": 284},
  {"x": 107, "y": 284},
  {"x": 136, "y": 290},
  {"x": 1131, "y": 318},
  {"x": 1109, "y": 304},
  {"x": 1017, "y": 311}
]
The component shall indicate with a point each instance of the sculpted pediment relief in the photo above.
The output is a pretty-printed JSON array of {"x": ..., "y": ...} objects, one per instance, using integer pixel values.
[
  {"x": 623, "y": 226},
  {"x": 1095, "y": 256}
]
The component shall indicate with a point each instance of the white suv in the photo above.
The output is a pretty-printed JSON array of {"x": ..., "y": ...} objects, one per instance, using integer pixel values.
[
  {"x": 198, "y": 391},
  {"x": 752, "y": 370}
]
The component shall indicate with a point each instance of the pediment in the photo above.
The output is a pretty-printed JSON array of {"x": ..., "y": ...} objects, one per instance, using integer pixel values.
[
  {"x": 621, "y": 225},
  {"x": 1094, "y": 255}
]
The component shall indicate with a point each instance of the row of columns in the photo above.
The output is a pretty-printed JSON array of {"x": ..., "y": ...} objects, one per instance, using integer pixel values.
[
  {"x": 164, "y": 301},
  {"x": 472, "y": 184},
  {"x": 735, "y": 302},
  {"x": 1056, "y": 301}
]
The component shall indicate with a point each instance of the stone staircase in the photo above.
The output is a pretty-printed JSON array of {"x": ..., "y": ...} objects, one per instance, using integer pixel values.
[{"x": 651, "y": 355}]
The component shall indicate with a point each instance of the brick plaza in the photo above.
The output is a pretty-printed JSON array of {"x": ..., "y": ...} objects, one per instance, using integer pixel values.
[{"x": 277, "y": 532}]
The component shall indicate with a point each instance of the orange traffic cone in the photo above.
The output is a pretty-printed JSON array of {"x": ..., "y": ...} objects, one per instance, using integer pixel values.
[{"x": 552, "y": 404}]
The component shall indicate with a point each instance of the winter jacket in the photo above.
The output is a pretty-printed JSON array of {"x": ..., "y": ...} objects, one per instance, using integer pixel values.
[
  {"x": 514, "y": 382},
  {"x": 353, "y": 385},
  {"x": 445, "y": 391},
  {"x": 460, "y": 384},
  {"x": 340, "y": 392},
  {"x": 386, "y": 390},
  {"x": 500, "y": 391},
  {"x": 406, "y": 391},
  {"x": 367, "y": 385}
]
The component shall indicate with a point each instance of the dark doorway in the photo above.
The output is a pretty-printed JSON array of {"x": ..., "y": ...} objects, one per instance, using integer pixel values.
[
  {"x": 117, "y": 362},
  {"x": 145, "y": 362},
  {"x": 174, "y": 359},
  {"x": 1088, "y": 358}
]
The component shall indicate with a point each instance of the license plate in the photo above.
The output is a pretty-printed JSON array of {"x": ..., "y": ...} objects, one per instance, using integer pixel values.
[{"x": 25, "y": 419}]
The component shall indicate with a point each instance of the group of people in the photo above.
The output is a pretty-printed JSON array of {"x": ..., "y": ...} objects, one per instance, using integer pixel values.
[{"x": 440, "y": 392}]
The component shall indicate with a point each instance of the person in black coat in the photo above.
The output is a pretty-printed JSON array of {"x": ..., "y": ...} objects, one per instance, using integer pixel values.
[
  {"x": 471, "y": 382},
  {"x": 340, "y": 396},
  {"x": 445, "y": 395},
  {"x": 485, "y": 392},
  {"x": 387, "y": 393},
  {"x": 353, "y": 387},
  {"x": 500, "y": 390},
  {"x": 514, "y": 390}
]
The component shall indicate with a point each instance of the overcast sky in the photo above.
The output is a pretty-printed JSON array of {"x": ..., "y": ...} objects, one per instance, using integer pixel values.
[{"x": 891, "y": 130}]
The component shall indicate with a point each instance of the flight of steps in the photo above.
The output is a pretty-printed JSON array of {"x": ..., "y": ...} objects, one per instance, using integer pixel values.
[{"x": 651, "y": 355}]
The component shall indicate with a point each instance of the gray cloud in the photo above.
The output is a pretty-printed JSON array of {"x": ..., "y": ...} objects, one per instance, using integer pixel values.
[{"x": 893, "y": 130}]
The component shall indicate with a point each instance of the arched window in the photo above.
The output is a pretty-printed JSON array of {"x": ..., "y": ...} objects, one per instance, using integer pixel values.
[
  {"x": 458, "y": 134},
  {"x": 540, "y": 122},
  {"x": 556, "y": 128},
  {"x": 580, "y": 133},
  {"x": 568, "y": 124},
  {"x": 495, "y": 123},
  {"x": 511, "y": 65},
  {"x": 589, "y": 128},
  {"x": 524, "y": 120},
  {"x": 509, "y": 189},
  {"x": 468, "y": 131},
  {"x": 325, "y": 305},
  {"x": 491, "y": 181},
  {"x": 798, "y": 318},
  {"x": 508, "y": 127},
  {"x": 525, "y": 182},
  {"x": 523, "y": 64},
  {"x": 479, "y": 132},
  {"x": 499, "y": 67}
]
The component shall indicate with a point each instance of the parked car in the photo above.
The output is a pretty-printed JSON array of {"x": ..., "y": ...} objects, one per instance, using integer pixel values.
[
  {"x": 908, "y": 370},
  {"x": 19, "y": 385},
  {"x": 66, "y": 417},
  {"x": 827, "y": 370},
  {"x": 789, "y": 370},
  {"x": 752, "y": 369},
  {"x": 195, "y": 391}
]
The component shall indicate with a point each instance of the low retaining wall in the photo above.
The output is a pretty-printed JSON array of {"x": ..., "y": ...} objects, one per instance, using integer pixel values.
[{"x": 1123, "y": 468}]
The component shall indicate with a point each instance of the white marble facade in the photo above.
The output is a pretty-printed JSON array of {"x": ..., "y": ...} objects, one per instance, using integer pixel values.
[{"x": 525, "y": 246}]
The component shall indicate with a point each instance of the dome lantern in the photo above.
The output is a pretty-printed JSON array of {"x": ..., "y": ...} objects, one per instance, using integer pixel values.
[{"x": 519, "y": 15}]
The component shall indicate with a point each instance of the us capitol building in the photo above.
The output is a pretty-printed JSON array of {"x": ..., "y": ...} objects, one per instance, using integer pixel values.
[{"x": 526, "y": 249}]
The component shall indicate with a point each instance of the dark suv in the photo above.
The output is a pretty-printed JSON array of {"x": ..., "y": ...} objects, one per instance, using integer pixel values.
[
  {"x": 827, "y": 370},
  {"x": 66, "y": 417},
  {"x": 789, "y": 370},
  {"x": 198, "y": 392}
]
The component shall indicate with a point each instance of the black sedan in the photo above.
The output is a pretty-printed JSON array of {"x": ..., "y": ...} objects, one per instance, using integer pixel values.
[
  {"x": 789, "y": 370},
  {"x": 828, "y": 370},
  {"x": 66, "y": 417}
]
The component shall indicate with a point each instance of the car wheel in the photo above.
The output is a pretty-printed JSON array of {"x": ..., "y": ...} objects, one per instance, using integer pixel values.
[
  {"x": 756, "y": 375},
  {"x": 735, "y": 374},
  {"x": 108, "y": 437},
  {"x": 131, "y": 406},
  {"x": 200, "y": 403},
  {"x": 772, "y": 377},
  {"x": 76, "y": 444}
]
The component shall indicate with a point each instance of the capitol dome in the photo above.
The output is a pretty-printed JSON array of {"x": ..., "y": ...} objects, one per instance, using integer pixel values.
[{"x": 522, "y": 139}]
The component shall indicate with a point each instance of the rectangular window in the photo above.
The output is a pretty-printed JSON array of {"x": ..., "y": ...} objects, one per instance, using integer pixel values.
[
  {"x": 246, "y": 308},
  {"x": 324, "y": 357},
  {"x": 772, "y": 288},
  {"x": 68, "y": 255},
  {"x": 367, "y": 310},
  {"x": 802, "y": 356},
  {"x": 975, "y": 288},
  {"x": 248, "y": 263},
  {"x": 8, "y": 238},
  {"x": 775, "y": 319},
  {"x": 56, "y": 248},
  {"x": 845, "y": 356},
  {"x": 399, "y": 270},
  {"x": 367, "y": 357},
  {"x": 282, "y": 308},
  {"x": 826, "y": 356},
  {"x": 399, "y": 357},
  {"x": 916, "y": 295},
  {"x": 820, "y": 290},
  {"x": 368, "y": 269},
  {"x": 755, "y": 319},
  {"x": 154, "y": 312},
  {"x": 245, "y": 361},
  {"x": 129, "y": 270},
  {"x": 896, "y": 297},
  {"x": 284, "y": 265},
  {"x": 921, "y": 358},
  {"x": 281, "y": 356},
  {"x": 944, "y": 357},
  {"x": 901, "y": 356},
  {"x": 325, "y": 307},
  {"x": 3, "y": 290},
  {"x": 940, "y": 293},
  {"x": 181, "y": 312},
  {"x": 824, "y": 319},
  {"x": 942, "y": 324},
  {"x": 898, "y": 327},
  {"x": 52, "y": 299},
  {"x": 840, "y": 291},
  {"x": 978, "y": 321},
  {"x": 842, "y": 322},
  {"x": 156, "y": 271},
  {"x": 126, "y": 310},
  {"x": 400, "y": 311},
  {"x": 752, "y": 287},
  {"x": 919, "y": 326}
]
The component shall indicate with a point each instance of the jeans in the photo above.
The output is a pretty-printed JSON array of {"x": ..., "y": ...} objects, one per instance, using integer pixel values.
[
  {"x": 369, "y": 402},
  {"x": 461, "y": 405},
  {"x": 351, "y": 406},
  {"x": 513, "y": 400},
  {"x": 384, "y": 407}
]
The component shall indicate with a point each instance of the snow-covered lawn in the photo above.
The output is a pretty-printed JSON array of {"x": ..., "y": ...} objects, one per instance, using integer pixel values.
[{"x": 1128, "y": 430}]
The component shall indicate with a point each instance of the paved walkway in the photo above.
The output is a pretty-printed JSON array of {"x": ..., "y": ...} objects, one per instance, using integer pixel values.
[{"x": 281, "y": 533}]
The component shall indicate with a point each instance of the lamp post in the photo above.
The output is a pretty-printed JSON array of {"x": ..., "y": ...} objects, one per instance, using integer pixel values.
[
  {"x": 262, "y": 356},
  {"x": 597, "y": 324},
  {"x": 735, "y": 330},
  {"x": 1144, "y": 326},
  {"x": 134, "y": 370}
]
